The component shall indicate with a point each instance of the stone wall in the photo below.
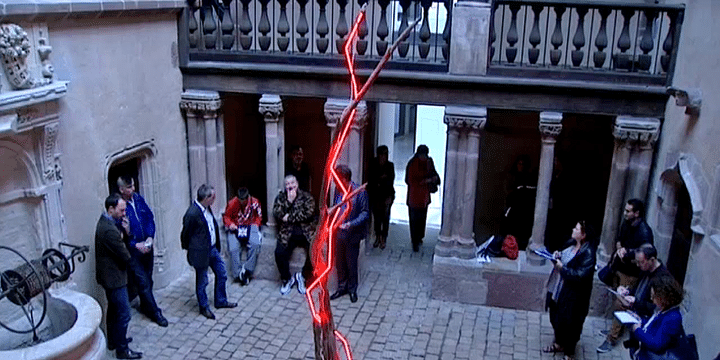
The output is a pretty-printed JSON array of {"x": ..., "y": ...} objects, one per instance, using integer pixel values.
[
  {"x": 123, "y": 101},
  {"x": 685, "y": 146}
]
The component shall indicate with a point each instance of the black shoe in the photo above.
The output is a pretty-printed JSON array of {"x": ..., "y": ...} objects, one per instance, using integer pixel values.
[
  {"x": 207, "y": 313},
  {"x": 353, "y": 297},
  {"x": 112, "y": 347},
  {"x": 338, "y": 294},
  {"x": 226, "y": 306},
  {"x": 161, "y": 320},
  {"x": 128, "y": 354},
  {"x": 416, "y": 247}
]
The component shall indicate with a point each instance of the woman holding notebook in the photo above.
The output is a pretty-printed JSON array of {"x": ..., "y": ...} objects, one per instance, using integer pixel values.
[{"x": 569, "y": 288}]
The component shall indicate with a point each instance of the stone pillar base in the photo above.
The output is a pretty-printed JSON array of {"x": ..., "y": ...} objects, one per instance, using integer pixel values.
[
  {"x": 514, "y": 284},
  {"x": 535, "y": 259},
  {"x": 453, "y": 246}
]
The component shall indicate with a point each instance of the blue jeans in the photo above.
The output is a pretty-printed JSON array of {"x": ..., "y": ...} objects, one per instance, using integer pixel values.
[
  {"x": 118, "y": 317},
  {"x": 140, "y": 269},
  {"x": 201, "y": 281},
  {"x": 235, "y": 246}
]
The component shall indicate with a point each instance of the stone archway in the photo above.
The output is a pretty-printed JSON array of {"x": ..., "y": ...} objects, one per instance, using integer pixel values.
[{"x": 679, "y": 215}]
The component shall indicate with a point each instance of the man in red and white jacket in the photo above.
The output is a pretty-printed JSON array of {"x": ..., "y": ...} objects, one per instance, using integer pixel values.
[{"x": 242, "y": 218}]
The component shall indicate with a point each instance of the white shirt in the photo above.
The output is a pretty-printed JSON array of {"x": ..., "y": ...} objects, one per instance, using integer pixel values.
[{"x": 209, "y": 219}]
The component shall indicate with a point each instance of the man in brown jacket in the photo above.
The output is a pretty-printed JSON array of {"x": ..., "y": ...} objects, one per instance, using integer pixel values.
[{"x": 111, "y": 258}]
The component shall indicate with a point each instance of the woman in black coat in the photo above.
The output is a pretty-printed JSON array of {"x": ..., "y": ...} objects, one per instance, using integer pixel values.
[{"x": 569, "y": 288}]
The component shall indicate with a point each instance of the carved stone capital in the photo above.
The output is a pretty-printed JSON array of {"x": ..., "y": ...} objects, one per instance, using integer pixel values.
[
  {"x": 334, "y": 108},
  {"x": 471, "y": 117},
  {"x": 271, "y": 107},
  {"x": 640, "y": 130},
  {"x": 200, "y": 102},
  {"x": 550, "y": 125}
]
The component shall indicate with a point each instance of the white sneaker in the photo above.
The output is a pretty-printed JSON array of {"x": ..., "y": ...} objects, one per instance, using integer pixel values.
[
  {"x": 300, "y": 283},
  {"x": 287, "y": 286}
]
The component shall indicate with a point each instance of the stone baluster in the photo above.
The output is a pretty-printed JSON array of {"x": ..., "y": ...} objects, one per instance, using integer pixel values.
[
  {"x": 601, "y": 41},
  {"x": 493, "y": 34},
  {"x": 627, "y": 131},
  {"x": 271, "y": 108},
  {"x": 322, "y": 28},
  {"x": 556, "y": 40},
  {"x": 206, "y": 144},
  {"x": 341, "y": 30},
  {"x": 264, "y": 26},
  {"x": 382, "y": 31},
  {"x": 534, "y": 39},
  {"x": 209, "y": 24},
  {"x": 424, "y": 35},
  {"x": 193, "y": 35},
  {"x": 512, "y": 35},
  {"x": 405, "y": 44},
  {"x": 578, "y": 54},
  {"x": 246, "y": 26},
  {"x": 623, "y": 60},
  {"x": 352, "y": 153},
  {"x": 283, "y": 27},
  {"x": 550, "y": 127},
  {"x": 669, "y": 43},
  {"x": 646, "y": 42},
  {"x": 362, "y": 44},
  {"x": 302, "y": 28},
  {"x": 446, "y": 31},
  {"x": 227, "y": 27},
  {"x": 462, "y": 155}
]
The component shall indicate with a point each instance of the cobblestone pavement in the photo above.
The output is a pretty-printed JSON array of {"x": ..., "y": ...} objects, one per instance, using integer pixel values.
[{"x": 395, "y": 318}]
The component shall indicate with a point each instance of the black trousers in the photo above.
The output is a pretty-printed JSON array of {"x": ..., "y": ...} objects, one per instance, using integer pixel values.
[
  {"x": 381, "y": 215},
  {"x": 418, "y": 217},
  {"x": 283, "y": 253},
  {"x": 346, "y": 263}
]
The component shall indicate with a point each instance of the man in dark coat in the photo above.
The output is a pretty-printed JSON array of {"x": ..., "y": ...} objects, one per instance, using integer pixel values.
[
  {"x": 634, "y": 232},
  {"x": 140, "y": 246},
  {"x": 111, "y": 258},
  {"x": 349, "y": 235},
  {"x": 638, "y": 298},
  {"x": 201, "y": 238}
]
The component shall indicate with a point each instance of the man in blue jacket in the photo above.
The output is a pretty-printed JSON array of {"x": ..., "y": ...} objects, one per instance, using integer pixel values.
[
  {"x": 349, "y": 234},
  {"x": 140, "y": 246}
]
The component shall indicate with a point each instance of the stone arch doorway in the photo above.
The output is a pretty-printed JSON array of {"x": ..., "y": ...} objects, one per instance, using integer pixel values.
[{"x": 678, "y": 216}]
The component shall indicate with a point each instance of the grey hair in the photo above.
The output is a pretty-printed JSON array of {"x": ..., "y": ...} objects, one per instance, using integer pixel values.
[
  {"x": 124, "y": 181},
  {"x": 288, "y": 177},
  {"x": 204, "y": 192}
]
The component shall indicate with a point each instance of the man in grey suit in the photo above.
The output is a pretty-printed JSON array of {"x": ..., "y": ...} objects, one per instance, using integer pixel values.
[
  {"x": 201, "y": 238},
  {"x": 111, "y": 258}
]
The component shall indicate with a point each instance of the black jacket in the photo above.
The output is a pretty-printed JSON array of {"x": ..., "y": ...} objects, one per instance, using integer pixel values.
[
  {"x": 111, "y": 255},
  {"x": 577, "y": 275},
  {"x": 631, "y": 237},
  {"x": 195, "y": 237}
]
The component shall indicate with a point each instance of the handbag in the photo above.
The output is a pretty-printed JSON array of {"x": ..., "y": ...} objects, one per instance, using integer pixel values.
[
  {"x": 685, "y": 349},
  {"x": 607, "y": 273},
  {"x": 434, "y": 186}
]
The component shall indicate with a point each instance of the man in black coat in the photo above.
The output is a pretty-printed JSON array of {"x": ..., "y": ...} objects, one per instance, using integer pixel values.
[
  {"x": 111, "y": 258},
  {"x": 201, "y": 238},
  {"x": 634, "y": 232}
]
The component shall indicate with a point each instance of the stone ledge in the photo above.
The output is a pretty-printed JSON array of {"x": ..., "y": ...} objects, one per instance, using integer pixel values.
[
  {"x": 67, "y": 7},
  {"x": 16, "y": 99},
  {"x": 505, "y": 283}
]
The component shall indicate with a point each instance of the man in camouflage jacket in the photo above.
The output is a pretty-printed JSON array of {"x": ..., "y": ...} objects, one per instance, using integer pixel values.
[{"x": 294, "y": 211}]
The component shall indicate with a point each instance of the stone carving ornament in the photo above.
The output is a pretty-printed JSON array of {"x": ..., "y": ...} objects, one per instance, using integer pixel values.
[{"x": 15, "y": 48}]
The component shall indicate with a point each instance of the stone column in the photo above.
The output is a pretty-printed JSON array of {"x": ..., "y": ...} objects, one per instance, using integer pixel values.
[
  {"x": 272, "y": 110},
  {"x": 352, "y": 154},
  {"x": 205, "y": 136},
  {"x": 462, "y": 155},
  {"x": 629, "y": 132},
  {"x": 550, "y": 127},
  {"x": 644, "y": 135}
]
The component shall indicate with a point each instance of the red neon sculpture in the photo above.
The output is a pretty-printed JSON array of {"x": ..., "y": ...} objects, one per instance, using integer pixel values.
[{"x": 317, "y": 293}]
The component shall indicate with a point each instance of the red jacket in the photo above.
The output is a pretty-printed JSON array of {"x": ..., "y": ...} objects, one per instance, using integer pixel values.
[
  {"x": 250, "y": 215},
  {"x": 417, "y": 172}
]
